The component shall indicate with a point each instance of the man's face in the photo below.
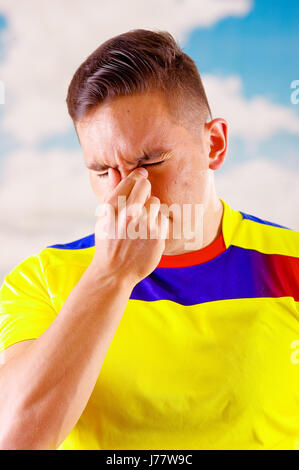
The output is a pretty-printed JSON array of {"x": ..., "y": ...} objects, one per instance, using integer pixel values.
[{"x": 133, "y": 131}]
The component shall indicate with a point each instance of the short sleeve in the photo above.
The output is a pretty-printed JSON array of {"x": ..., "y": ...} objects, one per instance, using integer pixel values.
[{"x": 26, "y": 309}]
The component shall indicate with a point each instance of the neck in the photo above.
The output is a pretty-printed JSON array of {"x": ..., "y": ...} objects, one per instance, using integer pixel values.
[{"x": 212, "y": 227}]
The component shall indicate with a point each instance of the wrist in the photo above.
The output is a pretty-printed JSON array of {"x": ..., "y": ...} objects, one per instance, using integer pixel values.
[{"x": 113, "y": 279}]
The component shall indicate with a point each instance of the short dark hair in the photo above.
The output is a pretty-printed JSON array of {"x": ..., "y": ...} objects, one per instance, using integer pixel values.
[{"x": 139, "y": 61}]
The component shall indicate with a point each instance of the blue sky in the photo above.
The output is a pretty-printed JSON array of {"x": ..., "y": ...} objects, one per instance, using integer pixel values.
[
  {"x": 3, "y": 25},
  {"x": 261, "y": 47}
]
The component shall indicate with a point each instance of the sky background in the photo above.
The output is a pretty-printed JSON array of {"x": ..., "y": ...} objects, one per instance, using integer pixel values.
[{"x": 247, "y": 54}]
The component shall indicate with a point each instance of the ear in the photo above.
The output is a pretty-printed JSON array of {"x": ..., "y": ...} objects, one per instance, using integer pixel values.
[{"x": 217, "y": 136}]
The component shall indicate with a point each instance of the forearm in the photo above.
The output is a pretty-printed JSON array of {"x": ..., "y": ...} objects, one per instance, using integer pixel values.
[{"x": 45, "y": 390}]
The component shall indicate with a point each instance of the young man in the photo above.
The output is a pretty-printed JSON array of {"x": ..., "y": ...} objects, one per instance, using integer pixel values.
[{"x": 144, "y": 343}]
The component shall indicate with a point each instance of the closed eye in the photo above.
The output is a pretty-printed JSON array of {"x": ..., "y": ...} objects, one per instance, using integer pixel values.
[
  {"x": 148, "y": 164},
  {"x": 157, "y": 163}
]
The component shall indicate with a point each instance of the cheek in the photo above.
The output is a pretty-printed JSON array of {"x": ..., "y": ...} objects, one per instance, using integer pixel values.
[
  {"x": 180, "y": 185},
  {"x": 97, "y": 186},
  {"x": 93, "y": 182},
  {"x": 167, "y": 185}
]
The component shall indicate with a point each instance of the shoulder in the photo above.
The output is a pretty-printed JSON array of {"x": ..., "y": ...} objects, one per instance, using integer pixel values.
[
  {"x": 79, "y": 244},
  {"x": 34, "y": 268},
  {"x": 77, "y": 252},
  {"x": 249, "y": 231},
  {"x": 48, "y": 275},
  {"x": 266, "y": 236}
]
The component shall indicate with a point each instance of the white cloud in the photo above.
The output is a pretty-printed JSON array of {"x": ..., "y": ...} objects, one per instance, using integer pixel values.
[
  {"x": 262, "y": 188},
  {"x": 48, "y": 39},
  {"x": 253, "y": 119},
  {"x": 44, "y": 199}
]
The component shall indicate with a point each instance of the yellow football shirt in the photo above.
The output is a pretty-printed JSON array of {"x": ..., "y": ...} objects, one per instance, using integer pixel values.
[{"x": 206, "y": 355}]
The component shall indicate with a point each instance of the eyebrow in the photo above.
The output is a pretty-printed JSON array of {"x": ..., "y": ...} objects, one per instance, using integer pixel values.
[{"x": 145, "y": 158}]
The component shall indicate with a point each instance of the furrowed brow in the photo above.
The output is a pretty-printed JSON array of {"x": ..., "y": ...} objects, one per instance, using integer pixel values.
[
  {"x": 145, "y": 158},
  {"x": 97, "y": 166}
]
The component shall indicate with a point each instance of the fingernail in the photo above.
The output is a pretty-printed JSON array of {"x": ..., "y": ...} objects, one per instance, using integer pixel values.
[{"x": 143, "y": 171}]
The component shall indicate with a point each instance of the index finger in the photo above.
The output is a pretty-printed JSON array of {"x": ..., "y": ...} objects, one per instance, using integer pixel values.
[{"x": 124, "y": 187}]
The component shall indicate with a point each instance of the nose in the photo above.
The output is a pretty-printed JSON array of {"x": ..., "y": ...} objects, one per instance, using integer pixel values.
[{"x": 125, "y": 171}]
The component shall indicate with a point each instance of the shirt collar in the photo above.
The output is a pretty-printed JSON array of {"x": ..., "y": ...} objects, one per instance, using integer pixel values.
[{"x": 230, "y": 221}]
